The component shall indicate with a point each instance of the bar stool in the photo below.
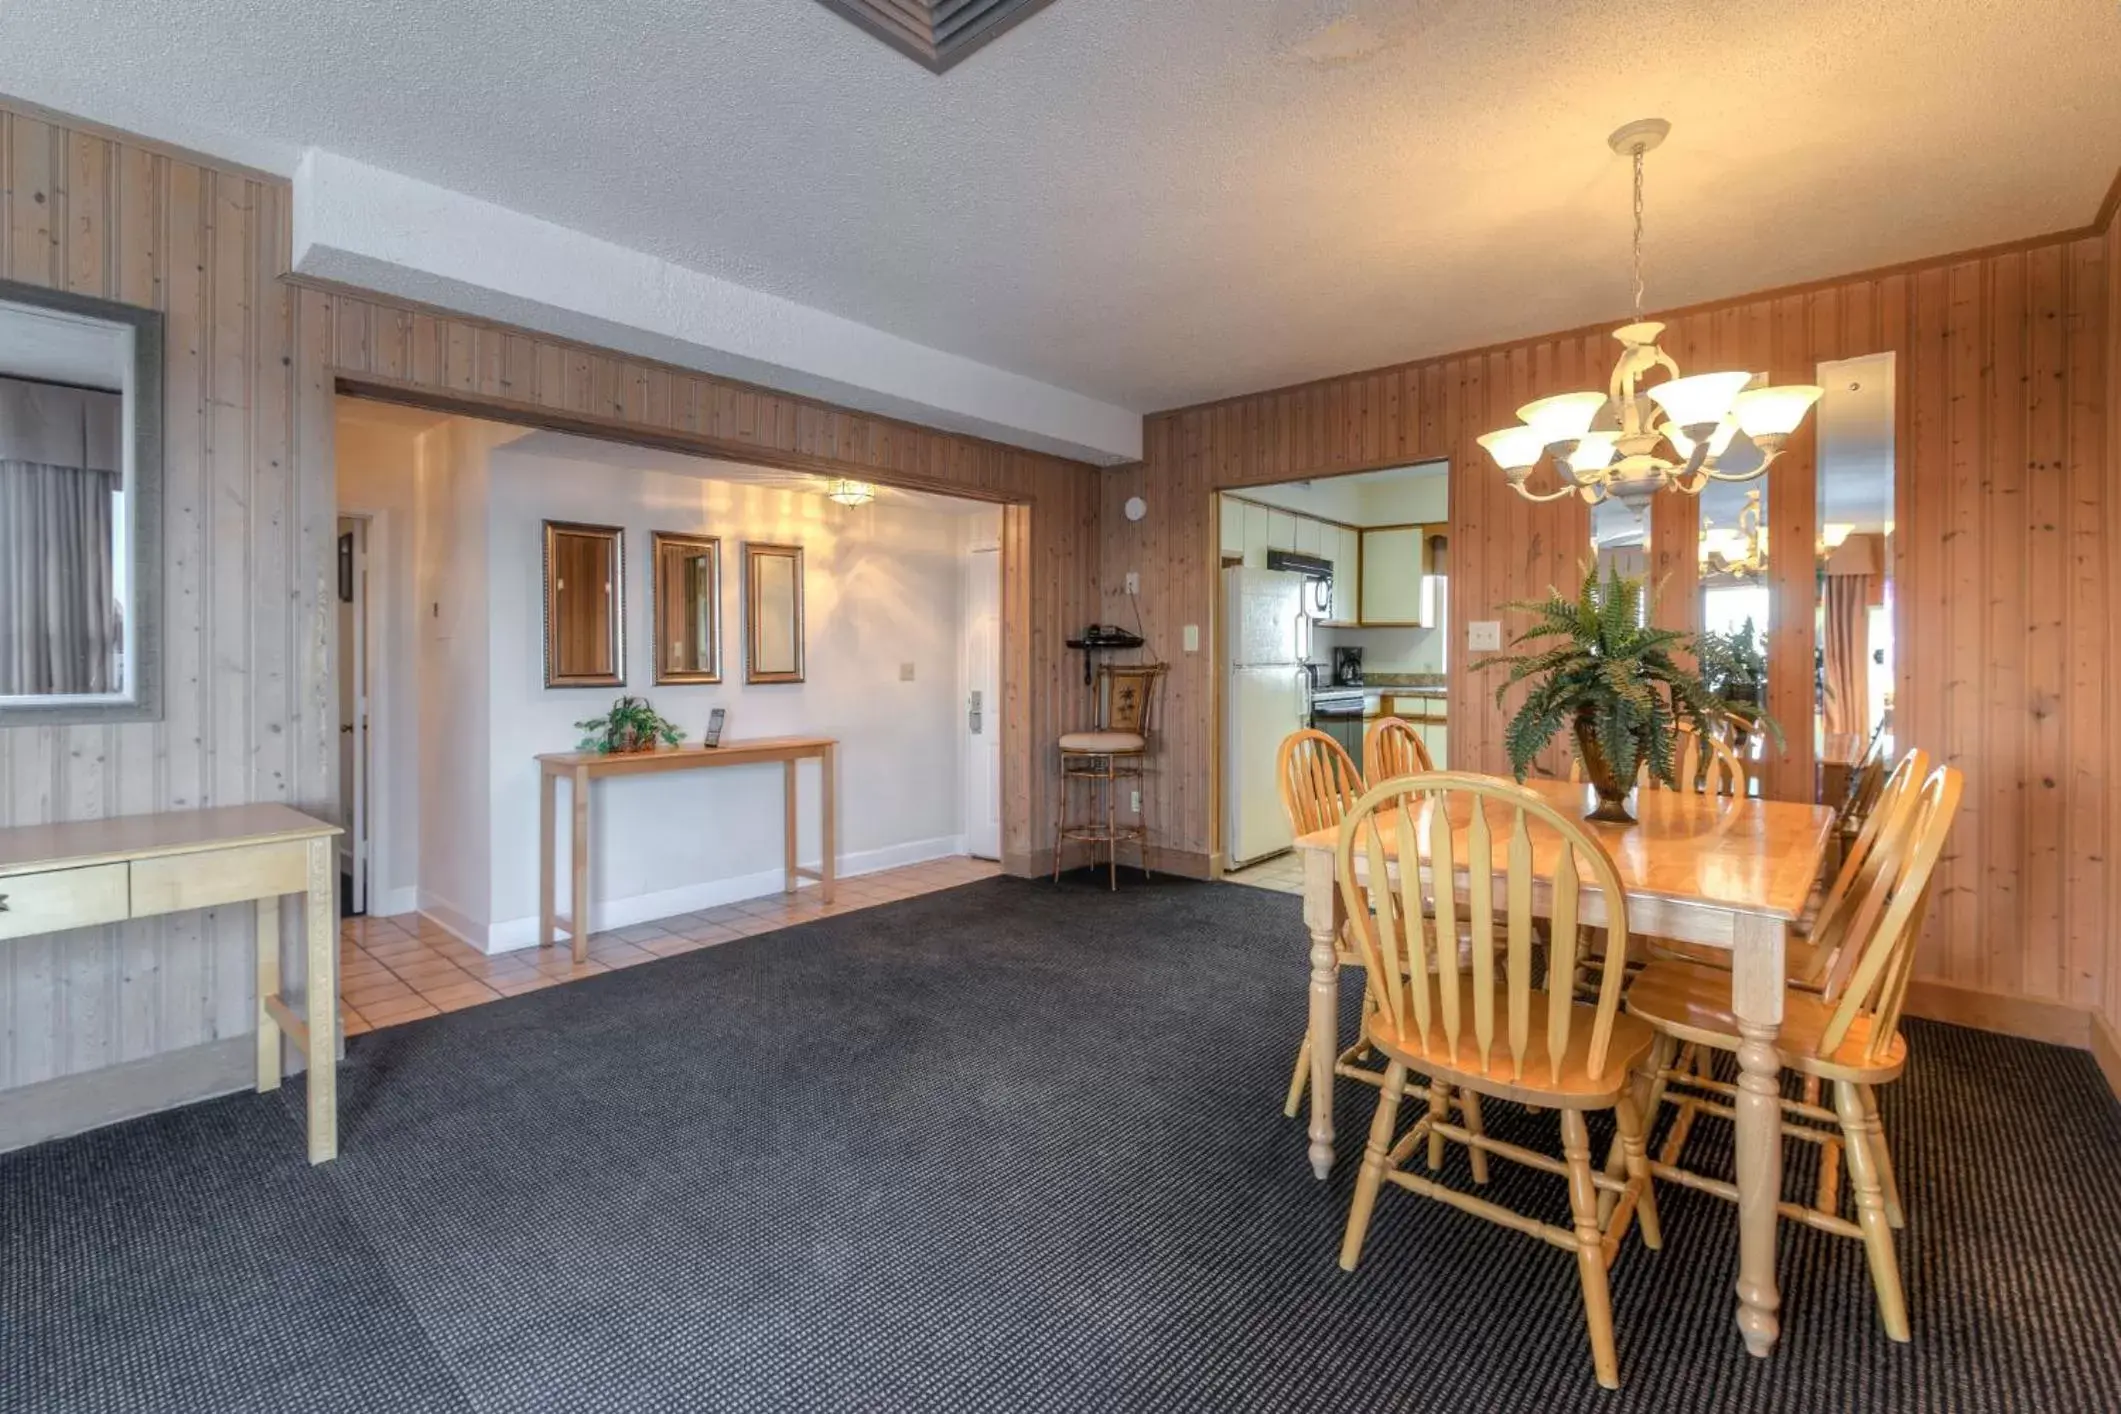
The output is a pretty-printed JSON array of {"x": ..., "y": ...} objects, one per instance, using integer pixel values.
[{"x": 1115, "y": 750}]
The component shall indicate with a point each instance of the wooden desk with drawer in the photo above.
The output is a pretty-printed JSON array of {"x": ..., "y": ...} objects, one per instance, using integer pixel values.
[{"x": 90, "y": 872}]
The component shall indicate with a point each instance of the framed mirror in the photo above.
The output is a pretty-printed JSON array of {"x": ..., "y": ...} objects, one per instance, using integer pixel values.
[
  {"x": 688, "y": 607},
  {"x": 585, "y": 605},
  {"x": 1853, "y": 678},
  {"x": 773, "y": 613},
  {"x": 80, "y": 509}
]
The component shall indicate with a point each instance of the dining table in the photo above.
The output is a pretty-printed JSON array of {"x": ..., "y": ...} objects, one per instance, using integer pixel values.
[{"x": 1717, "y": 871}]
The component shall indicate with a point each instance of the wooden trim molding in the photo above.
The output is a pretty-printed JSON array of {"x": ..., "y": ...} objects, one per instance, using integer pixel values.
[
  {"x": 2106, "y": 1049},
  {"x": 2035, "y": 1019}
]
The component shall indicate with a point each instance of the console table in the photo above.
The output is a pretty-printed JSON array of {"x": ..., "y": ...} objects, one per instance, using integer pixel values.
[
  {"x": 581, "y": 767},
  {"x": 89, "y": 872}
]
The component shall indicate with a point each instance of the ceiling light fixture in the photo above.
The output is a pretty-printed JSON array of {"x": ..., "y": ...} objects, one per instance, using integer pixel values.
[
  {"x": 852, "y": 493},
  {"x": 1741, "y": 553},
  {"x": 1702, "y": 414}
]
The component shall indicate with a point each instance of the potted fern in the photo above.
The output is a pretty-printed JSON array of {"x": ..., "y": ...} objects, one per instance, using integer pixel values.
[
  {"x": 1610, "y": 677},
  {"x": 1736, "y": 673},
  {"x": 631, "y": 725}
]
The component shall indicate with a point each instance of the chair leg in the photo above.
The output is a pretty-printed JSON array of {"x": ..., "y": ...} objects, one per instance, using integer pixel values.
[
  {"x": 1478, "y": 1157},
  {"x": 1860, "y": 1135},
  {"x": 1439, "y": 1113},
  {"x": 1060, "y": 819},
  {"x": 1627, "y": 1120},
  {"x": 1648, "y": 1087},
  {"x": 1590, "y": 1248},
  {"x": 1374, "y": 1155},
  {"x": 1112, "y": 827},
  {"x": 1882, "y": 1155},
  {"x": 1300, "y": 1080}
]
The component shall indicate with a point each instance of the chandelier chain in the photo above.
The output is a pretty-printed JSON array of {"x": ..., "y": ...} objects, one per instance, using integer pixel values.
[{"x": 1638, "y": 232}]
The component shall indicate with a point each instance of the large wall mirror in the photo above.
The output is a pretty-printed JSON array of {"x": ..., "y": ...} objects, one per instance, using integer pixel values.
[
  {"x": 773, "y": 613},
  {"x": 1854, "y": 679},
  {"x": 688, "y": 608},
  {"x": 585, "y": 605},
  {"x": 80, "y": 508}
]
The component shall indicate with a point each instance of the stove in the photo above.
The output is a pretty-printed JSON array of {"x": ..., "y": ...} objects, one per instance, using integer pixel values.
[{"x": 1336, "y": 702}]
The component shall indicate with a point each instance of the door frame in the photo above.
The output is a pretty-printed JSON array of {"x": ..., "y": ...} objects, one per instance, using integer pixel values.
[
  {"x": 990, "y": 707},
  {"x": 358, "y": 798}
]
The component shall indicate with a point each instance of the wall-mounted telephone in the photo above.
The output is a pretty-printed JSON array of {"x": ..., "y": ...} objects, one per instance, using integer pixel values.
[
  {"x": 1103, "y": 638},
  {"x": 1107, "y": 636}
]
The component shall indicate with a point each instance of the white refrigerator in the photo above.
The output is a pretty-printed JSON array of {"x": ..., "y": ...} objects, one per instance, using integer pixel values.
[{"x": 1267, "y": 696}]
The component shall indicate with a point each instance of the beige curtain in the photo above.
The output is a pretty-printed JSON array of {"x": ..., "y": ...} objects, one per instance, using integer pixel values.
[
  {"x": 1848, "y": 653},
  {"x": 60, "y": 626}
]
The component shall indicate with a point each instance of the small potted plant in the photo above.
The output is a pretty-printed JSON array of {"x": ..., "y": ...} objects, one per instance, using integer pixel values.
[
  {"x": 1736, "y": 672},
  {"x": 1612, "y": 678},
  {"x": 631, "y": 725}
]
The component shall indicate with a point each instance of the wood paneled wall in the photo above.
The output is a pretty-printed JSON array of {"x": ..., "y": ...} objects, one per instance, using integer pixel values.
[
  {"x": 254, "y": 362},
  {"x": 2007, "y": 592},
  {"x": 2108, "y": 1044},
  {"x": 248, "y": 520}
]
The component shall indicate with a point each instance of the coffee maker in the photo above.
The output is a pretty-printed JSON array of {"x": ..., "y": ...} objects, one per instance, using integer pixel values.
[{"x": 1347, "y": 667}]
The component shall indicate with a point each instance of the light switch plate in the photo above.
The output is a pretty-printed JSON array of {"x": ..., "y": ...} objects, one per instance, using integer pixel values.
[
  {"x": 905, "y": 672},
  {"x": 1484, "y": 635},
  {"x": 1191, "y": 638},
  {"x": 1134, "y": 582}
]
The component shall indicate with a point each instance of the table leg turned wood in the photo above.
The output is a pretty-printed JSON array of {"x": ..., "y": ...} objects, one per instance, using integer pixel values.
[
  {"x": 1756, "y": 999},
  {"x": 321, "y": 982},
  {"x": 788, "y": 878},
  {"x": 578, "y": 906},
  {"x": 268, "y": 988},
  {"x": 548, "y": 810},
  {"x": 829, "y": 820},
  {"x": 1322, "y": 920}
]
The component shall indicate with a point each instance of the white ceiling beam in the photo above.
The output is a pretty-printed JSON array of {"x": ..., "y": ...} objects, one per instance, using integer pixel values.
[{"x": 373, "y": 229}]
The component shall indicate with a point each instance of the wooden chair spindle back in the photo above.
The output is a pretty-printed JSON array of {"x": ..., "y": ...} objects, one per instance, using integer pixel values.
[
  {"x": 1862, "y": 861},
  {"x": 1409, "y": 936},
  {"x": 1888, "y": 918},
  {"x": 1319, "y": 782},
  {"x": 1393, "y": 748}
]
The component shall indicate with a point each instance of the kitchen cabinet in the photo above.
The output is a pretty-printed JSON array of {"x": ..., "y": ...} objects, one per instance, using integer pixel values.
[
  {"x": 1308, "y": 535},
  {"x": 1391, "y": 575},
  {"x": 1345, "y": 551},
  {"x": 1233, "y": 526}
]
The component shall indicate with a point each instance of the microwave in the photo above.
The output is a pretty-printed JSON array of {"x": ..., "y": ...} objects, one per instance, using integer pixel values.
[{"x": 1318, "y": 579}]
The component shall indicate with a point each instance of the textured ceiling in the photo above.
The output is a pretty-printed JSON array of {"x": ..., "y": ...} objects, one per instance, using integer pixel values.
[{"x": 1156, "y": 204}]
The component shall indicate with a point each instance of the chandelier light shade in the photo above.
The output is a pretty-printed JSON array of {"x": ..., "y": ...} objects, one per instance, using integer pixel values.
[
  {"x": 852, "y": 493},
  {"x": 1697, "y": 417}
]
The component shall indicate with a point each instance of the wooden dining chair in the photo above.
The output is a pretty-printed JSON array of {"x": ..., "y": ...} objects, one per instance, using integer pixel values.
[
  {"x": 1318, "y": 783},
  {"x": 1391, "y": 747},
  {"x": 1704, "y": 764},
  {"x": 1502, "y": 1026},
  {"x": 1846, "y": 1035}
]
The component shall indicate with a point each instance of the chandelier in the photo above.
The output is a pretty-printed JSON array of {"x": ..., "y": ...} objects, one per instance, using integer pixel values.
[
  {"x": 851, "y": 493},
  {"x": 1698, "y": 416},
  {"x": 1739, "y": 553}
]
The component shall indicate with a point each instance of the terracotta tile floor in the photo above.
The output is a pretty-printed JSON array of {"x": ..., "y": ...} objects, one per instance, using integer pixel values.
[
  {"x": 1284, "y": 873},
  {"x": 400, "y": 969}
]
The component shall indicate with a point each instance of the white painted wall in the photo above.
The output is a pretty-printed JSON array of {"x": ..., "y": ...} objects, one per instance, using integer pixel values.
[
  {"x": 883, "y": 587},
  {"x": 450, "y": 554},
  {"x": 374, "y": 229}
]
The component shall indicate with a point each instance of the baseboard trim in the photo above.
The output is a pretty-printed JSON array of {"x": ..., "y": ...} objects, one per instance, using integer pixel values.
[
  {"x": 2106, "y": 1049},
  {"x": 605, "y": 914},
  {"x": 2033, "y": 1018},
  {"x": 74, "y": 1104}
]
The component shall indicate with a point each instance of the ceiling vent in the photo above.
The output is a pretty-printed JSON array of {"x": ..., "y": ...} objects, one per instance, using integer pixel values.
[{"x": 937, "y": 33}]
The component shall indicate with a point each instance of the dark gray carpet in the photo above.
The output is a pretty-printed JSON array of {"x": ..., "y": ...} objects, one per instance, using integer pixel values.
[{"x": 1010, "y": 1147}]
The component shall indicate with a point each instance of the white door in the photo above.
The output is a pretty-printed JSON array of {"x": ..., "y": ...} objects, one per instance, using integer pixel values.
[
  {"x": 983, "y": 704},
  {"x": 353, "y": 707}
]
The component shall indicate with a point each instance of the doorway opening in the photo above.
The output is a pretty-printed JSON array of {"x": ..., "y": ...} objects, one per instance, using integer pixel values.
[
  {"x": 355, "y": 739},
  {"x": 1332, "y": 602}
]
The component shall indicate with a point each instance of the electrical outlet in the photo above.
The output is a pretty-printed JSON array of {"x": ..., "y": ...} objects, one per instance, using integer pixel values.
[
  {"x": 1484, "y": 635},
  {"x": 1134, "y": 582},
  {"x": 905, "y": 672},
  {"x": 1137, "y": 802},
  {"x": 1190, "y": 636}
]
